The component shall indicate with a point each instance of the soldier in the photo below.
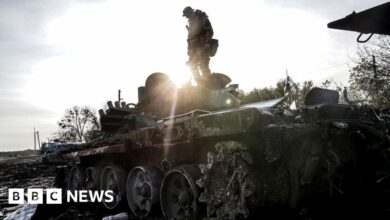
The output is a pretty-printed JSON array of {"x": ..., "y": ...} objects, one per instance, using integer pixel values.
[{"x": 200, "y": 34}]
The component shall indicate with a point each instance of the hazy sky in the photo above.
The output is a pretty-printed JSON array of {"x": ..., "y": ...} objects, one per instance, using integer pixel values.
[{"x": 56, "y": 54}]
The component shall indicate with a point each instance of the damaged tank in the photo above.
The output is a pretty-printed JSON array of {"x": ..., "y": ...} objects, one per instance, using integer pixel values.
[
  {"x": 223, "y": 161},
  {"x": 196, "y": 152}
]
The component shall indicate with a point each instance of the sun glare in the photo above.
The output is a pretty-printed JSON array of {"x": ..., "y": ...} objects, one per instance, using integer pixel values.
[
  {"x": 102, "y": 48},
  {"x": 180, "y": 76},
  {"x": 109, "y": 46}
]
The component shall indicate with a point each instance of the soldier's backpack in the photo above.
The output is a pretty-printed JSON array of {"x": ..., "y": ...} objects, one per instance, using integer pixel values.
[{"x": 213, "y": 47}]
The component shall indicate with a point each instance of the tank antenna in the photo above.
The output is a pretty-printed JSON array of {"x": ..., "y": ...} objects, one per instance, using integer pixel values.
[{"x": 119, "y": 96}]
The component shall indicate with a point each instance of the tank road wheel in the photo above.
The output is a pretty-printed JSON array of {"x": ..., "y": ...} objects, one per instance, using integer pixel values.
[
  {"x": 143, "y": 190},
  {"x": 179, "y": 193},
  {"x": 113, "y": 178},
  {"x": 229, "y": 183},
  {"x": 76, "y": 178},
  {"x": 92, "y": 180}
]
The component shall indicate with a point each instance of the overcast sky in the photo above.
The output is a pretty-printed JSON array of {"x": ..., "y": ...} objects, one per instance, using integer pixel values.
[{"x": 56, "y": 54}]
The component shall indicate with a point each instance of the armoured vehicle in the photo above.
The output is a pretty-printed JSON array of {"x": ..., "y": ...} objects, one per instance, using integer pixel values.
[
  {"x": 196, "y": 152},
  {"x": 52, "y": 151}
]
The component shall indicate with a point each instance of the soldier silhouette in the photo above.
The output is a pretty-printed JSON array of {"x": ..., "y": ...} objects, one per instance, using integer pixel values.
[{"x": 200, "y": 43}]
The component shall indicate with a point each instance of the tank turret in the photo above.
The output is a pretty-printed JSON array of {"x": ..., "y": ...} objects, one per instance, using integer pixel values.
[{"x": 161, "y": 98}]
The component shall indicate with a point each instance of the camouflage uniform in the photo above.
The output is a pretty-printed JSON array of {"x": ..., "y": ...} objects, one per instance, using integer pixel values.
[{"x": 200, "y": 33}]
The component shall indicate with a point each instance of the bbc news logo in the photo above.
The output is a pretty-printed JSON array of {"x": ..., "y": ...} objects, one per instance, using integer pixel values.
[{"x": 54, "y": 196}]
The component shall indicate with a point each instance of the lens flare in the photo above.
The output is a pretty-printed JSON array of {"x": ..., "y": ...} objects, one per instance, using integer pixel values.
[{"x": 170, "y": 125}]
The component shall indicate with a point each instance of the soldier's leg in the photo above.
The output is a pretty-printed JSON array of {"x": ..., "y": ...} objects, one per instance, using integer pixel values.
[
  {"x": 204, "y": 61},
  {"x": 193, "y": 63},
  {"x": 195, "y": 72}
]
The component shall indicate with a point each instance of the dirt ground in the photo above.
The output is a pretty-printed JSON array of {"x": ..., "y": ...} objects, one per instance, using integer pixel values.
[{"x": 23, "y": 172}]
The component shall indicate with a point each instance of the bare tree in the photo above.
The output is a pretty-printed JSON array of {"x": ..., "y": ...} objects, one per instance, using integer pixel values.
[
  {"x": 64, "y": 136},
  {"x": 77, "y": 123}
]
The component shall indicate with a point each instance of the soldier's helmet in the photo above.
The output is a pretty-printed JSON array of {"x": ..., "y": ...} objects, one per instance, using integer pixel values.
[{"x": 187, "y": 10}]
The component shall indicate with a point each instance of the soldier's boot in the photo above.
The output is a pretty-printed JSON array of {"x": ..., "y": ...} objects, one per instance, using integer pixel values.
[{"x": 204, "y": 61}]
